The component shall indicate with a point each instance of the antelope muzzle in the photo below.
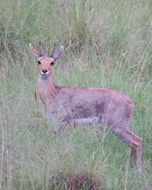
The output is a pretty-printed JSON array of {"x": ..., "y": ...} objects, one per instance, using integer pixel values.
[{"x": 44, "y": 74}]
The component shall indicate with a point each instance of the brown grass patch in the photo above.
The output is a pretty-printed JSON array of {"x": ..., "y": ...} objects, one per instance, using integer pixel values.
[{"x": 75, "y": 181}]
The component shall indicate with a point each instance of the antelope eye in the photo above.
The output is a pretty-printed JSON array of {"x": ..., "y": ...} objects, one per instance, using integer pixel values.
[
  {"x": 52, "y": 63},
  {"x": 39, "y": 62}
]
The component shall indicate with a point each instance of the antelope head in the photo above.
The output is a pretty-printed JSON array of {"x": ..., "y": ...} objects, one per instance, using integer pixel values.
[{"x": 45, "y": 63}]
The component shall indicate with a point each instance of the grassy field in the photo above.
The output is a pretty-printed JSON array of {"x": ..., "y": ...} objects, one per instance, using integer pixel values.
[{"x": 107, "y": 44}]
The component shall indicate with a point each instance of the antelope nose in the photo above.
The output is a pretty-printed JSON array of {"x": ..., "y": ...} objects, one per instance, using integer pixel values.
[{"x": 44, "y": 71}]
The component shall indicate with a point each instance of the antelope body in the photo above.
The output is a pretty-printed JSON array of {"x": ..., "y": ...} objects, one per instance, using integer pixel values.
[{"x": 80, "y": 105}]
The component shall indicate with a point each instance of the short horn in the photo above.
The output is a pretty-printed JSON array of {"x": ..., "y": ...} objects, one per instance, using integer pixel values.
[
  {"x": 41, "y": 49},
  {"x": 52, "y": 50}
]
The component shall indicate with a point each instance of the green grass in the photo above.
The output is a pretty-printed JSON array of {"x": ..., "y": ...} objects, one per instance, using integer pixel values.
[{"x": 107, "y": 44}]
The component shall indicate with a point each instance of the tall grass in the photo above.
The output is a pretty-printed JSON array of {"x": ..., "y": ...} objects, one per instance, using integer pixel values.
[{"x": 108, "y": 44}]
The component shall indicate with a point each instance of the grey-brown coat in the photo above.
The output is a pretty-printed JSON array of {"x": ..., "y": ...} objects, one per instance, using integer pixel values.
[{"x": 81, "y": 106}]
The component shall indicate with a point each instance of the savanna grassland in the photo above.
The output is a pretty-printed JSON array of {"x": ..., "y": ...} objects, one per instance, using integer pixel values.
[{"x": 107, "y": 44}]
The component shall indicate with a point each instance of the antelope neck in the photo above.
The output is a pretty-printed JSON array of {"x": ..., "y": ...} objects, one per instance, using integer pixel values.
[{"x": 46, "y": 85}]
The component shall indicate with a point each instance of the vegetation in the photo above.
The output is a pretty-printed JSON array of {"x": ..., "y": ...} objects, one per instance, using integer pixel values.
[{"x": 107, "y": 44}]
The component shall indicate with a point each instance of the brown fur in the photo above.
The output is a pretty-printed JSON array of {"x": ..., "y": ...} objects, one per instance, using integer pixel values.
[{"x": 85, "y": 105}]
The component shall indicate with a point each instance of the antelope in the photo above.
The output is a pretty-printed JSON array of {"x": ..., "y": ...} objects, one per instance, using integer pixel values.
[{"x": 85, "y": 106}]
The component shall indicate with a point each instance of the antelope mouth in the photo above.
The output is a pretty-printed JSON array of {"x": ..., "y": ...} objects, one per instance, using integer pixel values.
[{"x": 44, "y": 76}]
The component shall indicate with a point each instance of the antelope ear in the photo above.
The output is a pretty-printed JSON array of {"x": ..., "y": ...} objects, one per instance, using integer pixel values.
[
  {"x": 34, "y": 51},
  {"x": 58, "y": 54}
]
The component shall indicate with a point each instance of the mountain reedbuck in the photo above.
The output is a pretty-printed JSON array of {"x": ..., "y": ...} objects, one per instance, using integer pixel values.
[{"x": 83, "y": 106}]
